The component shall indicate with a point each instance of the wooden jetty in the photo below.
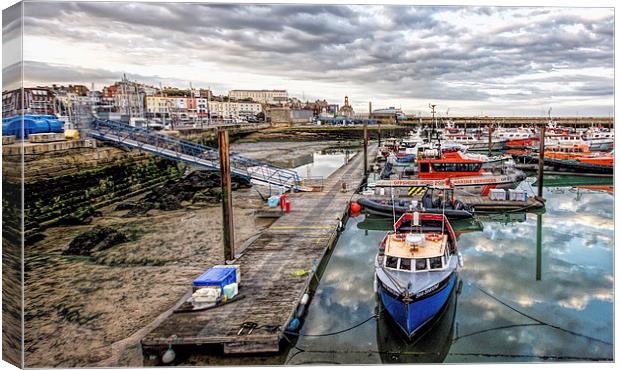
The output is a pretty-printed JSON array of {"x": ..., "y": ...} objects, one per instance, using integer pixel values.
[
  {"x": 277, "y": 269},
  {"x": 485, "y": 204}
]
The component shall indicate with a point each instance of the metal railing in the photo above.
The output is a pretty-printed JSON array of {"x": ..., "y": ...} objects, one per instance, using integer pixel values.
[{"x": 191, "y": 153}]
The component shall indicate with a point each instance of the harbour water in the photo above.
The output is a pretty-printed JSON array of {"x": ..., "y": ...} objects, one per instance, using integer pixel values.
[
  {"x": 534, "y": 287},
  {"x": 324, "y": 163}
]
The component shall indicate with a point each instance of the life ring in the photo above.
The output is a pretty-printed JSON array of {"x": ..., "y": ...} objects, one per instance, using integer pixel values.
[
  {"x": 399, "y": 237},
  {"x": 433, "y": 237}
]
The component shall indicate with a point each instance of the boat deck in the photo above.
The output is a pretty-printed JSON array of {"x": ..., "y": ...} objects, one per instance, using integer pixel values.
[
  {"x": 270, "y": 278},
  {"x": 427, "y": 248}
]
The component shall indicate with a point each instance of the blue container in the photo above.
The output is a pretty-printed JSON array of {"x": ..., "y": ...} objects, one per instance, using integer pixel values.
[
  {"x": 273, "y": 201},
  {"x": 32, "y": 124},
  {"x": 216, "y": 276}
]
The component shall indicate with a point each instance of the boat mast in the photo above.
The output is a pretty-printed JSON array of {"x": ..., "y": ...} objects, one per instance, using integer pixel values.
[
  {"x": 443, "y": 213},
  {"x": 194, "y": 104},
  {"x": 163, "y": 115},
  {"x": 393, "y": 210},
  {"x": 434, "y": 126}
]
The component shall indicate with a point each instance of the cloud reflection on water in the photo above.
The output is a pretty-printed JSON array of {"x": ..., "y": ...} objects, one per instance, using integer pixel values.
[{"x": 575, "y": 290}]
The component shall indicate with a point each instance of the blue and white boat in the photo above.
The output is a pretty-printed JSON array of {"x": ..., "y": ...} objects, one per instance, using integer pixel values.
[{"x": 416, "y": 269}]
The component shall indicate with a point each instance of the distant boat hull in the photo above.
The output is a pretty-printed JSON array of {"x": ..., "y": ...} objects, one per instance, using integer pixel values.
[
  {"x": 378, "y": 208},
  {"x": 479, "y": 145},
  {"x": 571, "y": 166},
  {"x": 519, "y": 143},
  {"x": 601, "y": 145},
  {"x": 469, "y": 184}
]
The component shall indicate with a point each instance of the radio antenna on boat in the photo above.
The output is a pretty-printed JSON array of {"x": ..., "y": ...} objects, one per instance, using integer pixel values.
[
  {"x": 393, "y": 210},
  {"x": 443, "y": 212}
]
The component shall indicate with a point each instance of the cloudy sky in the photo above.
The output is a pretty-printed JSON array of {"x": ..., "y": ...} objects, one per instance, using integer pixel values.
[{"x": 471, "y": 60}]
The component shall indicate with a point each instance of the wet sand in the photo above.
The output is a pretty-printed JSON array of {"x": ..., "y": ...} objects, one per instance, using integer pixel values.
[{"x": 96, "y": 301}]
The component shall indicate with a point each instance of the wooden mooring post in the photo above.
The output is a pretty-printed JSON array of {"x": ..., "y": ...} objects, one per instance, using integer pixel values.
[
  {"x": 541, "y": 159},
  {"x": 227, "y": 206}
]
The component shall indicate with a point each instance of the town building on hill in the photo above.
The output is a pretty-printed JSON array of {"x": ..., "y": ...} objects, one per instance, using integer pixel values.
[
  {"x": 260, "y": 96},
  {"x": 346, "y": 110},
  {"x": 35, "y": 101}
]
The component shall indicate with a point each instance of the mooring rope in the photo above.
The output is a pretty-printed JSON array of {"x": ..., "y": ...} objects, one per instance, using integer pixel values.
[{"x": 541, "y": 322}]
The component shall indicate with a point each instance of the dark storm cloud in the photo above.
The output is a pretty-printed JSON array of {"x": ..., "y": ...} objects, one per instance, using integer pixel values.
[
  {"x": 50, "y": 73},
  {"x": 11, "y": 76},
  {"x": 11, "y": 47},
  {"x": 11, "y": 22},
  {"x": 45, "y": 74},
  {"x": 390, "y": 50}
]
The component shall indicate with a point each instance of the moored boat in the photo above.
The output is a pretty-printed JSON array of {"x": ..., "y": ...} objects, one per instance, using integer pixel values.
[
  {"x": 599, "y": 139},
  {"x": 434, "y": 200},
  {"x": 476, "y": 143},
  {"x": 461, "y": 170},
  {"x": 516, "y": 138},
  {"x": 416, "y": 269}
]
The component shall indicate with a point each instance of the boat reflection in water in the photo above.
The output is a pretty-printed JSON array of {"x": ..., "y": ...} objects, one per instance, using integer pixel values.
[{"x": 430, "y": 345}]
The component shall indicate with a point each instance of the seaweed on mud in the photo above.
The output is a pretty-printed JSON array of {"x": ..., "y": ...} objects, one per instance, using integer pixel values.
[
  {"x": 196, "y": 187},
  {"x": 98, "y": 238}
]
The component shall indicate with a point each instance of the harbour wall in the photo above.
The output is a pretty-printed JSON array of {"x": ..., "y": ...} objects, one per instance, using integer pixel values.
[
  {"x": 472, "y": 122},
  {"x": 66, "y": 182}
]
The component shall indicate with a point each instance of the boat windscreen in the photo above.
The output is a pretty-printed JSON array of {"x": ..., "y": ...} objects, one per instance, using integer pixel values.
[
  {"x": 391, "y": 262},
  {"x": 420, "y": 264},
  {"x": 435, "y": 263},
  {"x": 405, "y": 264}
]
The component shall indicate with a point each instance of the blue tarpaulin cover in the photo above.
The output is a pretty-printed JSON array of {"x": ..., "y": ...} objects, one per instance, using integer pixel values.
[
  {"x": 21, "y": 127},
  {"x": 217, "y": 276}
]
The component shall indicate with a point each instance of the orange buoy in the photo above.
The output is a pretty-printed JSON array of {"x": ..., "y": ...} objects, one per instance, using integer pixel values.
[
  {"x": 433, "y": 237},
  {"x": 399, "y": 237},
  {"x": 355, "y": 207}
]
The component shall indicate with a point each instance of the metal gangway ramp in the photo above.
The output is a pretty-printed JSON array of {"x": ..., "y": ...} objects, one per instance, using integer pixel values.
[{"x": 192, "y": 153}]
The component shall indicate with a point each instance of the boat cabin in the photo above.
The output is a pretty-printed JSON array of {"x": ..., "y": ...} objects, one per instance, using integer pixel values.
[
  {"x": 513, "y": 135},
  {"x": 597, "y": 135},
  {"x": 462, "y": 138},
  {"x": 568, "y": 148},
  {"x": 451, "y": 164},
  {"x": 435, "y": 197},
  {"x": 418, "y": 244},
  {"x": 562, "y": 138}
]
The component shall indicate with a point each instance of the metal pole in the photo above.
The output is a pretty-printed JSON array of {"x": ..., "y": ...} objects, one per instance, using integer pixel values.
[
  {"x": 366, "y": 148},
  {"x": 227, "y": 208},
  {"x": 541, "y": 159},
  {"x": 378, "y": 124},
  {"x": 538, "y": 247},
  {"x": 490, "y": 139}
]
